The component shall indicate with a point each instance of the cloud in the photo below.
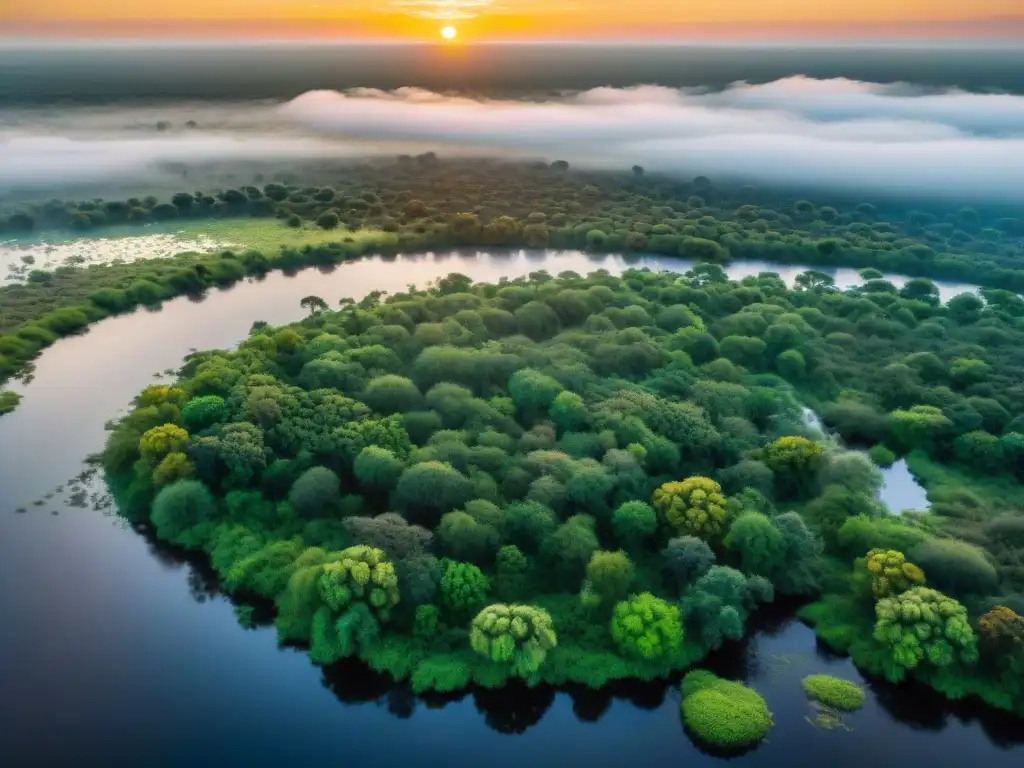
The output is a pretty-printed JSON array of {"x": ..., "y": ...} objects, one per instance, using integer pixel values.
[
  {"x": 834, "y": 133},
  {"x": 47, "y": 160},
  {"x": 840, "y": 134}
]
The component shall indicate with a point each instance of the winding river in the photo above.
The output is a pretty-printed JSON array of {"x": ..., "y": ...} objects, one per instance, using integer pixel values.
[{"x": 118, "y": 651}]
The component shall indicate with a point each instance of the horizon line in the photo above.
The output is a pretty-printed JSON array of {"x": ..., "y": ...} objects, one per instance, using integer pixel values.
[{"x": 15, "y": 41}]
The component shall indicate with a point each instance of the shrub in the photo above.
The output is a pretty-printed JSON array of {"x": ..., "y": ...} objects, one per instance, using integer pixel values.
[
  {"x": 377, "y": 467},
  {"x": 956, "y": 567},
  {"x": 202, "y": 412},
  {"x": 647, "y": 627},
  {"x": 316, "y": 493},
  {"x": 891, "y": 574},
  {"x": 609, "y": 575},
  {"x": 882, "y": 456},
  {"x": 328, "y": 220},
  {"x": 724, "y": 713},
  {"x": 425, "y": 623},
  {"x": 795, "y": 462},
  {"x": 922, "y": 625},
  {"x": 359, "y": 574},
  {"x": 463, "y": 585},
  {"x": 693, "y": 506},
  {"x": 687, "y": 558},
  {"x": 181, "y": 506},
  {"x": 519, "y": 636},
  {"x": 834, "y": 692},
  {"x": 157, "y": 442},
  {"x": 634, "y": 521}
]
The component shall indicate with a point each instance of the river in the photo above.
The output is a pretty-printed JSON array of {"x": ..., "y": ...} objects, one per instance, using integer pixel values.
[{"x": 118, "y": 651}]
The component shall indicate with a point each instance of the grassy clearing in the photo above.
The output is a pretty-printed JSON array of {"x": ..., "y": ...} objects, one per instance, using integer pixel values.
[
  {"x": 267, "y": 235},
  {"x": 128, "y": 243},
  {"x": 945, "y": 483}
]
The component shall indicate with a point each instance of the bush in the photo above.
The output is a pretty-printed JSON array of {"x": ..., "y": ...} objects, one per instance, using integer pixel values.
[
  {"x": 882, "y": 456},
  {"x": 834, "y": 692},
  {"x": 956, "y": 567},
  {"x": 160, "y": 441},
  {"x": 463, "y": 586},
  {"x": 634, "y": 521},
  {"x": 891, "y": 574},
  {"x": 181, "y": 506},
  {"x": 609, "y": 575},
  {"x": 724, "y": 713},
  {"x": 377, "y": 467},
  {"x": 687, "y": 558},
  {"x": 694, "y": 506},
  {"x": 359, "y": 574},
  {"x": 316, "y": 493},
  {"x": 647, "y": 627},
  {"x": 328, "y": 220},
  {"x": 519, "y": 636},
  {"x": 202, "y": 412},
  {"x": 923, "y": 626}
]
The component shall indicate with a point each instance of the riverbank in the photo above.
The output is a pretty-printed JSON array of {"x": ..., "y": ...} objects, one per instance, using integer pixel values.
[{"x": 70, "y": 299}]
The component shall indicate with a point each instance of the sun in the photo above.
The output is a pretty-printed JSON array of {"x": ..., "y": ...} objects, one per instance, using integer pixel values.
[{"x": 449, "y": 33}]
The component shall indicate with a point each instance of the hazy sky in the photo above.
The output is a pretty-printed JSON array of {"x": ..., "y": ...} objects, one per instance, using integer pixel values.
[{"x": 489, "y": 19}]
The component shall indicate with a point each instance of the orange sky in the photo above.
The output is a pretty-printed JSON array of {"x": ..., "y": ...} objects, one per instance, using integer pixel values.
[{"x": 491, "y": 19}]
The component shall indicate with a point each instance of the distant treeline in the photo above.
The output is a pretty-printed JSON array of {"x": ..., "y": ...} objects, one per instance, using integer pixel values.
[{"x": 421, "y": 203}]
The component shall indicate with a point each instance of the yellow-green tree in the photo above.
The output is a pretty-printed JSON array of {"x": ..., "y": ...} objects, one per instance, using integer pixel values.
[
  {"x": 517, "y": 635},
  {"x": 795, "y": 461},
  {"x": 694, "y": 506},
  {"x": 922, "y": 625},
  {"x": 359, "y": 574},
  {"x": 890, "y": 573},
  {"x": 157, "y": 442},
  {"x": 174, "y": 466}
]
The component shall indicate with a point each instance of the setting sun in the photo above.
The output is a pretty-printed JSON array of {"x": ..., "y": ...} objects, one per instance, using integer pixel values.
[{"x": 449, "y": 33}]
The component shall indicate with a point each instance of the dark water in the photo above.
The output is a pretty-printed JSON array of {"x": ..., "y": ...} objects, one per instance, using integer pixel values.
[
  {"x": 91, "y": 72},
  {"x": 117, "y": 651}
]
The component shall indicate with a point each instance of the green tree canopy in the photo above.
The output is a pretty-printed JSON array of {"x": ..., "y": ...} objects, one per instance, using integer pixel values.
[
  {"x": 647, "y": 627},
  {"x": 519, "y": 636}
]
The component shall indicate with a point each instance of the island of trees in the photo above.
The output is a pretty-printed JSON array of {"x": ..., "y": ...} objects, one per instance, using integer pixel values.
[
  {"x": 412, "y": 204},
  {"x": 577, "y": 479}
]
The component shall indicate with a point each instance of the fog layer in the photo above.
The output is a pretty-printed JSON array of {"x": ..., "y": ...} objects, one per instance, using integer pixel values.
[{"x": 830, "y": 133}]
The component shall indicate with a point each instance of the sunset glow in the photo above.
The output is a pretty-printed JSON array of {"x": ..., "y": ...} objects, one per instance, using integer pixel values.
[
  {"x": 449, "y": 33},
  {"x": 513, "y": 19}
]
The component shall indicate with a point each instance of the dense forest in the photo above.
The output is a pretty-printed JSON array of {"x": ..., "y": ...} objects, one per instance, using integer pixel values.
[
  {"x": 421, "y": 203},
  {"x": 578, "y": 479}
]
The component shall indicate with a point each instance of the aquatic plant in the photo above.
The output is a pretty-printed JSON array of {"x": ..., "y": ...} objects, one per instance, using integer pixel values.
[
  {"x": 834, "y": 692},
  {"x": 723, "y": 713}
]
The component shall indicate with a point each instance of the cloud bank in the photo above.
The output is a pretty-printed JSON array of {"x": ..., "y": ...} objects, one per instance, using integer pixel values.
[{"x": 839, "y": 134}]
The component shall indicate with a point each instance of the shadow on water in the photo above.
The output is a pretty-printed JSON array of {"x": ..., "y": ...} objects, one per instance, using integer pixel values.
[{"x": 777, "y": 651}]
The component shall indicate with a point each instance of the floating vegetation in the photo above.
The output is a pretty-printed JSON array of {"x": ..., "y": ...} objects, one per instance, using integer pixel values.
[
  {"x": 834, "y": 692},
  {"x": 50, "y": 252},
  {"x": 78, "y": 499},
  {"x": 826, "y": 718}
]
